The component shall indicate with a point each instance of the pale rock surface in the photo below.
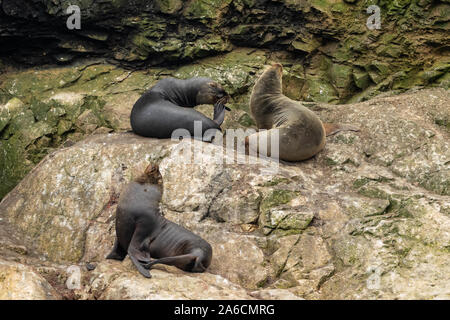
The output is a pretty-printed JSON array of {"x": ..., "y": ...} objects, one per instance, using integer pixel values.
[
  {"x": 367, "y": 218},
  {"x": 21, "y": 282}
]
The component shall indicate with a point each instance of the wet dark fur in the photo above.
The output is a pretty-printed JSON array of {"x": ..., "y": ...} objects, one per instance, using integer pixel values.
[
  {"x": 147, "y": 237},
  {"x": 168, "y": 106}
]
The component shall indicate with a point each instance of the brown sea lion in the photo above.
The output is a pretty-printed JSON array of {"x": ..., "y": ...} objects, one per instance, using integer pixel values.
[
  {"x": 301, "y": 134},
  {"x": 147, "y": 237}
]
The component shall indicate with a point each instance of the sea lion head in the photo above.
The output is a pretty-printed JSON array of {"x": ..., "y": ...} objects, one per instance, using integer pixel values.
[
  {"x": 212, "y": 92},
  {"x": 278, "y": 67},
  {"x": 275, "y": 72},
  {"x": 271, "y": 80},
  {"x": 151, "y": 175}
]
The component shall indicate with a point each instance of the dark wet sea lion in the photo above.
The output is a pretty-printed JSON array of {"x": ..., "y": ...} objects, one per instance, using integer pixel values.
[
  {"x": 147, "y": 237},
  {"x": 168, "y": 106},
  {"x": 301, "y": 133}
]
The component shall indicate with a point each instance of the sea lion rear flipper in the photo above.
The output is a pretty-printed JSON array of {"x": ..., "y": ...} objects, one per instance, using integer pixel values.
[
  {"x": 136, "y": 250},
  {"x": 117, "y": 253},
  {"x": 140, "y": 266},
  {"x": 185, "y": 262},
  {"x": 333, "y": 128}
]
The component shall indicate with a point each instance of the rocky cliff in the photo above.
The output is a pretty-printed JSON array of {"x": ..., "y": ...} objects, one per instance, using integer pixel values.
[
  {"x": 335, "y": 56},
  {"x": 123, "y": 47},
  {"x": 368, "y": 217}
]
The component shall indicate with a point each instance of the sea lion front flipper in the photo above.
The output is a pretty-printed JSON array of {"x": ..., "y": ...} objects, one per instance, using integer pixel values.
[
  {"x": 117, "y": 253},
  {"x": 182, "y": 261},
  {"x": 219, "y": 113},
  {"x": 333, "y": 128}
]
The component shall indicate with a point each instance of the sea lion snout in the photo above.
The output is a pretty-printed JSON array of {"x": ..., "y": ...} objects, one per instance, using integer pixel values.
[
  {"x": 151, "y": 166},
  {"x": 224, "y": 98},
  {"x": 277, "y": 65},
  {"x": 221, "y": 94},
  {"x": 211, "y": 93},
  {"x": 150, "y": 175},
  {"x": 152, "y": 169}
]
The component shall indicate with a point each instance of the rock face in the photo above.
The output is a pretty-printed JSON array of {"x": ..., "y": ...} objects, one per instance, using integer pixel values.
[
  {"x": 42, "y": 110},
  {"x": 30, "y": 130},
  {"x": 111, "y": 280},
  {"x": 329, "y": 54},
  {"x": 20, "y": 282},
  {"x": 335, "y": 53},
  {"x": 367, "y": 218}
]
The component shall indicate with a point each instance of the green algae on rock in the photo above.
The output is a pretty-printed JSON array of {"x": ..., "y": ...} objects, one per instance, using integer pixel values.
[
  {"x": 174, "y": 31},
  {"x": 35, "y": 129}
]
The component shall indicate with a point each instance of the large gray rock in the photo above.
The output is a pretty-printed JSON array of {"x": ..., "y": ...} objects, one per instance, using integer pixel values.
[
  {"x": 20, "y": 282},
  {"x": 367, "y": 218}
]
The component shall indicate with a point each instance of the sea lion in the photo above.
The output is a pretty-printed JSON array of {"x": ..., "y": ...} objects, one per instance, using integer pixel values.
[
  {"x": 168, "y": 106},
  {"x": 147, "y": 237},
  {"x": 301, "y": 133}
]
